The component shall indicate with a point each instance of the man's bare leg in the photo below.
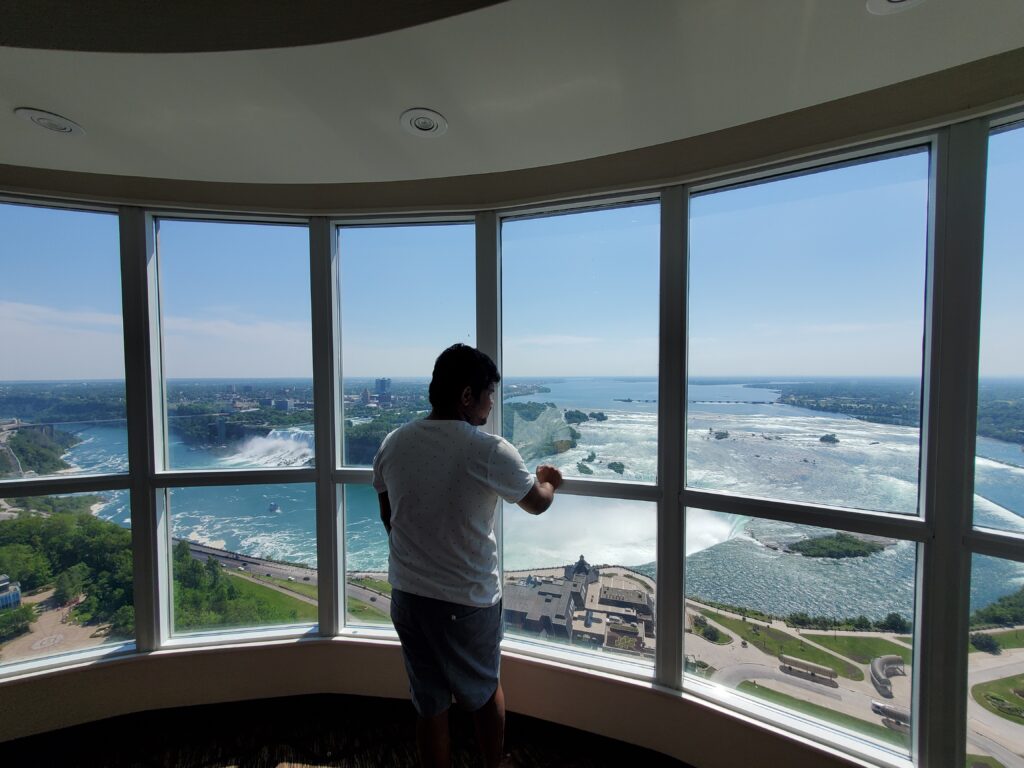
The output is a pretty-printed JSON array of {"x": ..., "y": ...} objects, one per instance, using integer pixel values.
[
  {"x": 489, "y": 721},
  {"x": 433, "y": 740}
]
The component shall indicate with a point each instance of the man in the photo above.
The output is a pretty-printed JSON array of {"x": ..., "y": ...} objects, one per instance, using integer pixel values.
[{"x": 439, "y": 480}]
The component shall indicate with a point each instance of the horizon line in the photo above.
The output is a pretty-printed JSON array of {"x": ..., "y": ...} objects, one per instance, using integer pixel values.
[{"x": 720, "y": 378}]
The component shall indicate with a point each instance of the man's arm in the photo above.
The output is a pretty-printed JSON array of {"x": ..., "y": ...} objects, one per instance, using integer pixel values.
[
  {"x": 542, "y": 493},
  {"x": 385, "y": 510}
]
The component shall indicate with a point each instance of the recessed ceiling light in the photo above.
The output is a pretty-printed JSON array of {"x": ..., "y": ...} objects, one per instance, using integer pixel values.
[
  {"x": 50, "y": 121},
  {"x": 885, "y": 7},
  {"x": 423, "y": 122}
]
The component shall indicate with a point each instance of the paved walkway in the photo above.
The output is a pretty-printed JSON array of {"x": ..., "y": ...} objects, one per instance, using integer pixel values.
[
  {"x": 735, "y": 664},
  {"x": 48, "y": 634}
]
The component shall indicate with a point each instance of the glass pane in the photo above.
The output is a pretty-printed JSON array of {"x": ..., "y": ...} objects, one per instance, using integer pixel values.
[
  {"x": 580, "y": 347},
  {"x": 811, "y": 620},
  {"x": 367, "y": 591},
  {"x": 999, "y": 466},
  {"x": 243, "y": 556},
  {"x": 237, "y": 344},
  {"x": 65, "y": 574},
  {"x": 62, "y": 406},
  {"x": 582, "y": 574},
  {"x": 806, "y": 302},
  {"x": 407, "y": 293},
  {"x": 995, "y": 663}
]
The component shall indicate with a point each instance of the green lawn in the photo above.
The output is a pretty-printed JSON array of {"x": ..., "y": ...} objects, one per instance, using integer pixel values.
[
  {"x": 364, "y": 612},
  {"x": 1005, "y": 689},
  {"x": 280, "y": 602},
  {"x": 978, "y": 761},
  {"x": 865, "y": 727},
  {"x": 306, "y": 612},
  {"x": 376, "y": 584},
  {"x": 774, "y": 642},
  {"x": 301, "y": 587},
  {"x": 861, "y": 649},
  {"x": 908, "y": 639},
  {"x": 1011, "y": 638}
]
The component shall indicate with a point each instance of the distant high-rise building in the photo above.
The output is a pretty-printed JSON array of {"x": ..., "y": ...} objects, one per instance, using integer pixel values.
[
  {"x": 382, "y": 386},
  {"x": 364, "y": 398}
]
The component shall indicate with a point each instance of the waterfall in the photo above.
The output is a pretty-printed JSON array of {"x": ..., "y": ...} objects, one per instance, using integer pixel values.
[
  {"x": 280, "y": 448},
  {"x": 705, "y": 529}
]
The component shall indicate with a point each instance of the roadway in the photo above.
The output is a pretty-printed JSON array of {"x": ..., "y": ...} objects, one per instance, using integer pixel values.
[{"x": 300, "y": 574}]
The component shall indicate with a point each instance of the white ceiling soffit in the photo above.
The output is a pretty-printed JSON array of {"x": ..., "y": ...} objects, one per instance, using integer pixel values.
[{"x": 522, "y": 84}]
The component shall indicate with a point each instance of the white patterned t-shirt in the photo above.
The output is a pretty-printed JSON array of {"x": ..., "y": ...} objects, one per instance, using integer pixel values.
[{"x": 443, "y": 479}]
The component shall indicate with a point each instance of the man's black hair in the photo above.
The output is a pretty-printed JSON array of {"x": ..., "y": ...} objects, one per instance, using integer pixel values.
[{"x": 456, "y": 368}]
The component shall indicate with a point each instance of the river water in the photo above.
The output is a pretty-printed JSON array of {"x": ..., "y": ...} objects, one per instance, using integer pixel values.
[{"x": 770, "y": 450}]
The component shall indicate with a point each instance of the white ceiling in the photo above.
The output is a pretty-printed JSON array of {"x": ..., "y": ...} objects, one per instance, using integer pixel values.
[{"x": 524, "y": 83}]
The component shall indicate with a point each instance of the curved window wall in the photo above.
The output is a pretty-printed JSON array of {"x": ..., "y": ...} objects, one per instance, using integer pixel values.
[{"x": 760, "y": 390}]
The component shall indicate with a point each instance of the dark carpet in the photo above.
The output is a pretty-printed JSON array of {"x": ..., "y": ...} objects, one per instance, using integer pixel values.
[{"x": 318, "y": 730}]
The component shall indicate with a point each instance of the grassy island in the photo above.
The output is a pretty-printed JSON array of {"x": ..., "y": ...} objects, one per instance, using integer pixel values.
[{"x": 836, "y": 546}]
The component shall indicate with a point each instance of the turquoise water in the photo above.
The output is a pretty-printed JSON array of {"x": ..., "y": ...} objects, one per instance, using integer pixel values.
[{"x": 729, "y": 559}]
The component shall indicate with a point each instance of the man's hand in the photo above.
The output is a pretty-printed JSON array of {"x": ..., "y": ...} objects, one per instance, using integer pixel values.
[
  {"x": 543, "y": 492},
  {"x": 548, "y": 474}
]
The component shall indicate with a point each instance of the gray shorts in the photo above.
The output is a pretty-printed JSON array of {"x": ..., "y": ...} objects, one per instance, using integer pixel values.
[{"x": 449, "y": 650}]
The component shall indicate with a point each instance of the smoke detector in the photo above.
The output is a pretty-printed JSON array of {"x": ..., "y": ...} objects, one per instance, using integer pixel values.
[
  {"x": 50, "y": 121},
  {"x": 423, "y": 122}
]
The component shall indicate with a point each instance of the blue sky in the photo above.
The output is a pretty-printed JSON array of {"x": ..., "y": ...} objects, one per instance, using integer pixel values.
[
  {"x": 407, "y": 292},
  {"x": 821, "y": 274}
]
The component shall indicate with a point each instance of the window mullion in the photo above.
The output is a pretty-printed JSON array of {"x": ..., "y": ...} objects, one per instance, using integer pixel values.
[
  {"x": 948, "y": 439},
  {"x": 488, "y": 323},
  {"x": 671, "y": 436},
  {"x": 326, "y": 401},
  {"x": 136, "y": 262}
]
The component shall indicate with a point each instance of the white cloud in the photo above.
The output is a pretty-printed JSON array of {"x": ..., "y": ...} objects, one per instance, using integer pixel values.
[
  {"x": 218, "y": 348},
  {"x": 40, "y": 342}
]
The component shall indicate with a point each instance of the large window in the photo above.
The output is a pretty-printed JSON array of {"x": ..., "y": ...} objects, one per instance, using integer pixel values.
[
  {"x": 806, "y": 315},
  {"x": 814, "y": 621},
  {"x": 733, "y": 378},
  {"x": 235, "y": 372},
  {"x": 65, "y": 574},
  {"x": 580, "y": 392},
  {"x": 391, "y": 280},
  {"x": 237, "y": 344},
  {"x": 243, "y": 556},
  {"x": 999, "y": 468},
  {"x": 580, "y": 341},
  {"x": 995, "y": 661},
  {"x": 806, "y": 298},
  {"x": 62, "y": 398},
  {"x": 583, "y": 576},
  {"x": 406, "y": 293}
]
